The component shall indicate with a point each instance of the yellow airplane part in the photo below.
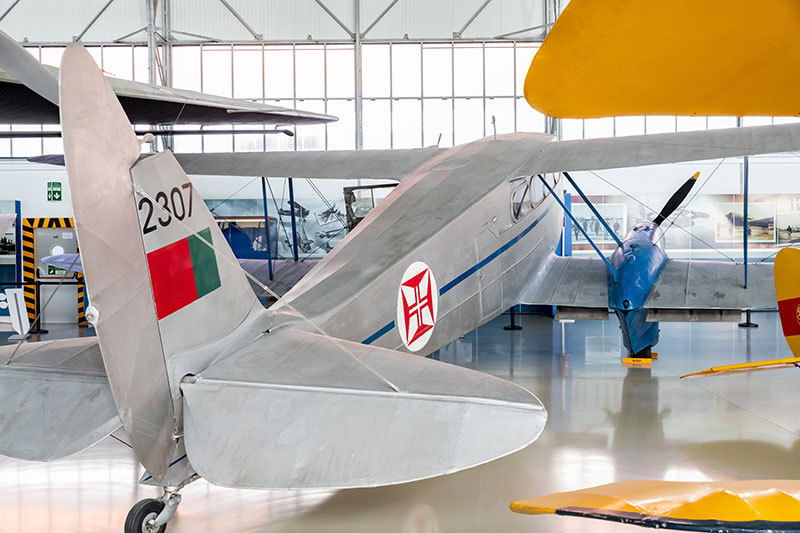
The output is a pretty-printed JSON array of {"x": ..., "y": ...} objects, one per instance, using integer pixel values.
[
  {"x": 742, "y": 368},
  {"x": 681, "y": 57},
  {"x": 787, "y": 289},
  {"x": 725, "y": 501}
]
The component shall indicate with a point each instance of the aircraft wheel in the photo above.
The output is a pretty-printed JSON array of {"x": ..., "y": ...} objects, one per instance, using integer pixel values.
[{"x": 141, "y": 513}]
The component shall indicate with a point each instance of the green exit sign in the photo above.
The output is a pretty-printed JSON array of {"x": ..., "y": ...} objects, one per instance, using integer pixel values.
[
  {"x": 53, "y": 191},
  {"x": 53, "y": 271}
]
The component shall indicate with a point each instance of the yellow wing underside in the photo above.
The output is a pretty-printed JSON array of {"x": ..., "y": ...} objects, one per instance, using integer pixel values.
[
  {"x": 741, "y": 368},
  {"x": 747, "y": 504}
]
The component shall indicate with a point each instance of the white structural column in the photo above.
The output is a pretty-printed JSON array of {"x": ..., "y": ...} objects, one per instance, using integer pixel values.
[{"x": 358, "y": 81}]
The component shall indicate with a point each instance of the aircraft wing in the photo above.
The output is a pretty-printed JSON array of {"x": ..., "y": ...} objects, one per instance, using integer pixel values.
[
  {"x": 655, "y": 149},
  {"x": 319, "y": 412},
  {"x": 331, "y": 164},
  {"x": 29, "y": 95},
  {"x": 554, "y": 156},
  {"x": 752, "y": 505},
  {"x": 713, "y": 285},
  {"x": 570, "y": 282},
  {"x": 49, "y": 382},
  {"x": 742, "y": 368}
]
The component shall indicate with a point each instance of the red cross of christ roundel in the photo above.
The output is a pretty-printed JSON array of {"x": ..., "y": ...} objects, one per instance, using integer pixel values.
[{"x": 417, "y": 305}]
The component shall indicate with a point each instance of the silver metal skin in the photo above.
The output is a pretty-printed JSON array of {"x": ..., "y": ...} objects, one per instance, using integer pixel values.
[
  {"x": 365, "y": 407},
  {"x": 100, "y": 148},
  {"x": 42, "y": 389},
  {"x": 682, "y": 285},
  {"x": 20, "y": 65}
]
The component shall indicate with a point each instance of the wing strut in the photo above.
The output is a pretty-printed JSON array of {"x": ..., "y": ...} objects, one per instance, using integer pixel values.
[{"x": 611, "y": 268}]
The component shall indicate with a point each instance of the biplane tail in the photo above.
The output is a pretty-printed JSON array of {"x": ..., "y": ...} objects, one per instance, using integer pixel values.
[{"x": 161, "y": 278}]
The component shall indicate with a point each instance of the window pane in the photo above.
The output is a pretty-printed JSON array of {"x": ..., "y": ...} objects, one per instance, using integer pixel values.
[
  {"x": 279, "y": 72},
  {"x": 715, "y": 123},
  {"x": 52, "y": 145},
  {"x": 310, "y": 72},
  {"x": 629, "y": 126},
  {"x": 118, "y": 61},
  {"x": 499, "y": 71},
  {"x": 691, "y": 123},
  {"x": 469, "y": 120},
  {"x": 217, "y": 70},
  {"x": 51, "y": 55},
  {"x": 525, "y": 55},
  {"x": 248, "y": 79},
  {"x": 503, "y": 111},
  {"x": 756, "y": 121},
  {"x": 437, "y": 69},
  {"x": 528, "y": 119},
  {"x": 375, "y": 70},
  {"x": 140, "y": 64},
  {"x": 249, "y": 142},
  {"x": 5, "y": 144},
  {"x": 468, "y": 70},
  {"x": 406, "y": 70},
  {"x": 342, "y": 133},
  {"x": 571, "y": 129},
  {"x": 222, "y": 142},
  {"x": 186, "y": 67},
  {"x": 598, "y": 127},
  {"x": 659, "y": 124},
  {"x": 341, "y": 81},
  {"x": 407, "y": 124},
  {"x": 376, "y": 124},
  {"x": 311, "y": 137},
  {"x": 437, "y": 121},
  {"x": 24, "y": 147},
  {"x": 187, "y": 143}
]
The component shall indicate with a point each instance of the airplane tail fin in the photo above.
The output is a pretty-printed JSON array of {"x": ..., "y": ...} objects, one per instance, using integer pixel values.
[
  {"x": 160, "y": 276},
  {"x": 787, "y": 289}
]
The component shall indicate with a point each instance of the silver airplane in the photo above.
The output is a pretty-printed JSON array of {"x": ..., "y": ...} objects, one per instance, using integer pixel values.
[{"x": 321, "y": 390}]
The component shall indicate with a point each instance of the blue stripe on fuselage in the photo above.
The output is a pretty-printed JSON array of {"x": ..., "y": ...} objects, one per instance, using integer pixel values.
[{"x": 467, "y": 273}]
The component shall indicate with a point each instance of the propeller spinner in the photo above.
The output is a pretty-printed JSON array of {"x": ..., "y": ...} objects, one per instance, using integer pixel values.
[{"x": 676, "y": 199}]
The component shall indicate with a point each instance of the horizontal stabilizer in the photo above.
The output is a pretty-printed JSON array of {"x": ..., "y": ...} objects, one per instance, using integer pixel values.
[
  {"x": 753, "y": 505},
  {"x": 328, "y": 164},
  {"x": 309, "y": 413},
  {"x": 54, "y": 399},
  {"x": 712, "y": 285},
  {"x": 743, "y": 368}
]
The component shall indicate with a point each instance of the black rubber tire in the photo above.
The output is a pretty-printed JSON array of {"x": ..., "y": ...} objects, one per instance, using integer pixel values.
[{"x": 139, "y": 512}]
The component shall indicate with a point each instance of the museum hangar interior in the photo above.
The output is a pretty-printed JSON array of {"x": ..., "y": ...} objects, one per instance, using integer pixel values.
[{"x": 500, "y": 278}]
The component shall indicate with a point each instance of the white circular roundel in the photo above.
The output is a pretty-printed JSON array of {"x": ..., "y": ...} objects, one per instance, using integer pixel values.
[{"x": 417, "y": 305}]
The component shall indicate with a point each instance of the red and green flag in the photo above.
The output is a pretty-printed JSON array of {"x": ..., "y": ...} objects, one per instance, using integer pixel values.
[{"x": 183, "y": 272}]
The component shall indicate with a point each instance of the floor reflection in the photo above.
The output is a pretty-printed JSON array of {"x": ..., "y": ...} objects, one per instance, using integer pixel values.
[{"x": 606, "y": 423}]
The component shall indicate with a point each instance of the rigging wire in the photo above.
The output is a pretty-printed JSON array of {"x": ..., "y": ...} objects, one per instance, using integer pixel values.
[{"x": 607, "y": 182}]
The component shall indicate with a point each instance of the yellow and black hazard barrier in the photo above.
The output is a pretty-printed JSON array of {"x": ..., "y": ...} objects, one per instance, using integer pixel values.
[{"x": 29, "y": 225}]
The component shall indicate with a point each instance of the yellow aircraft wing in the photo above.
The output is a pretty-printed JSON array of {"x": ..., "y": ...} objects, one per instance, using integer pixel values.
[
  {"x": 752, "y": 505},
  {"x": 682, "y": 57},
  {"x": 741, "y": 368}
]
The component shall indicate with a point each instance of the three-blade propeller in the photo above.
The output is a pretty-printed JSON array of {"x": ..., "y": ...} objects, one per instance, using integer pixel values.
[{"x": 676, "y": 199}]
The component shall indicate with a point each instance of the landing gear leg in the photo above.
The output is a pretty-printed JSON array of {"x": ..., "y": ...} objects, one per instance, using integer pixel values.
[{"x": 151, "y": 515}]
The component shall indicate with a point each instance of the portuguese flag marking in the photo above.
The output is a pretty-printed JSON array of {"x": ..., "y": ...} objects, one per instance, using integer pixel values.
[{"x": 182, "y": 272}]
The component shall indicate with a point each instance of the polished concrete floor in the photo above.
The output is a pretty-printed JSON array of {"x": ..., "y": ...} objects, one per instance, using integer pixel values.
[{"x": 606, "y": 423}]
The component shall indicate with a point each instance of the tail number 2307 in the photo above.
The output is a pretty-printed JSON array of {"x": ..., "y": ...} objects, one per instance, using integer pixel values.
[{"x": 171, "y": 205}]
